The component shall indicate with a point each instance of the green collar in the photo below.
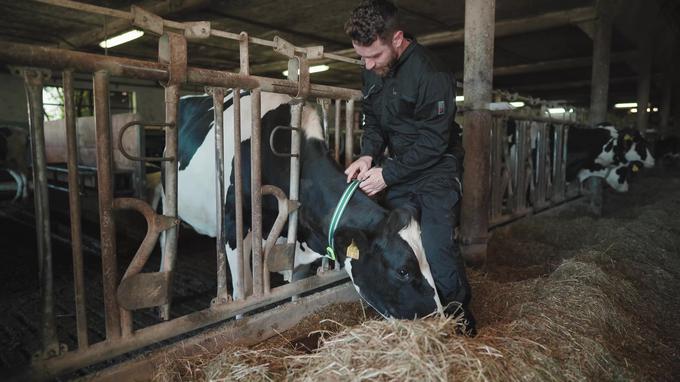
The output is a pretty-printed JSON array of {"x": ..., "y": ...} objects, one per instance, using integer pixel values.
[{"x": 337, "y": 214}]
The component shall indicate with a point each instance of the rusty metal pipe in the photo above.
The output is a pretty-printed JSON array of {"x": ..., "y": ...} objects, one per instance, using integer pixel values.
[
  {"x": 60, "y": 59},
  {"x": 279, "y": 223},
  {"x": 74, "y": 208},
  {"x": 170, "y": 186},
  {"x": 336, "y": 144},
  {"x": 105, "y": 191},
  {"x": 34, "y": 85},
  {"x": 218, "y": 109},
  {"x": 238, "y": 286},
  {"x": 256, "y": 190}
]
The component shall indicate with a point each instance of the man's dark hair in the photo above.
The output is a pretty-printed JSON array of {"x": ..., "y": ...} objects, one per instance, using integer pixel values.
[{"x": 372, "y": 19}]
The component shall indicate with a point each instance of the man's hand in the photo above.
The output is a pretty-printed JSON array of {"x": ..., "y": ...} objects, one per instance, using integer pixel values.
[
  {"x": 372, "y": 181},
  {"x": 360, "y": 165}
]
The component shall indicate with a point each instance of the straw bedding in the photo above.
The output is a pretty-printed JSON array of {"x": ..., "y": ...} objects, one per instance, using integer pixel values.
[{"x": 563, "y": 297}]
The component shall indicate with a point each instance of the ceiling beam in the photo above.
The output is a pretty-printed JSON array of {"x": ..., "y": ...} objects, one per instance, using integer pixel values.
[
  {"x": 503, "y": 28},
  {"x": 567, "y": 63},
  {"x": 116, "y": 26}
]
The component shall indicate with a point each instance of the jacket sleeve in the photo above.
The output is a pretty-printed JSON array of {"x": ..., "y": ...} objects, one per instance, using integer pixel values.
[
  {"x": 373, "y": 142},
  {"x": 435, "y": 112}
]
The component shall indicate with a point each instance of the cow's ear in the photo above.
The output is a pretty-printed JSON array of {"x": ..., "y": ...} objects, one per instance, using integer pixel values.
[
  {"x": 350, "y": 242},
  {"x": 401, "y": 217}
]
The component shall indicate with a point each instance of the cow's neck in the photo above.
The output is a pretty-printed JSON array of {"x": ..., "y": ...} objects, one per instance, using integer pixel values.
[{"x": 322, "y": 184}]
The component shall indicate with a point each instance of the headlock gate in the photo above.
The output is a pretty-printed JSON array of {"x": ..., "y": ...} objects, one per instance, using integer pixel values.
[{"x": 524, "y": 178}]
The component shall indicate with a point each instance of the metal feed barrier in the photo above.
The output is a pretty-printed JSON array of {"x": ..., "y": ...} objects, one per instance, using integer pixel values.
[{"x": 135, "y": 290}]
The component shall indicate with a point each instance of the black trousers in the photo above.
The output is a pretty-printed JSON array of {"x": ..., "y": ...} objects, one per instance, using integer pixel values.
[{"x": 437, "y": 198}]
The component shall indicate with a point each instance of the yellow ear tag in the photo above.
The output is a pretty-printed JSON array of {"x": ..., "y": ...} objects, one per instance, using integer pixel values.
[
  {"x": 627, "y": 137},
  {"x": 636, "y": 168},
  {"x": 353, "y": 251}
]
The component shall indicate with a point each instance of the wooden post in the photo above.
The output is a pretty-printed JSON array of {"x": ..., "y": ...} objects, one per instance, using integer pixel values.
[
  {"x": 478, "y": 77},
  {"x": 644, "y": 77},
  {"x": 667, "y": 86}
]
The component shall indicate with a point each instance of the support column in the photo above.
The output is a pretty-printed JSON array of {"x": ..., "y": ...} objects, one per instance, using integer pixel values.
[
  {"x": 667, "y": 86},
  {"x": 644, "y": 80},
  {"x": 600, "y": 89},
  {"x": 478, "y": 78}
]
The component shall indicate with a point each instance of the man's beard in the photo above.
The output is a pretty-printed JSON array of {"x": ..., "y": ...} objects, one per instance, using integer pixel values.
[{"x": 386, "y": 70}]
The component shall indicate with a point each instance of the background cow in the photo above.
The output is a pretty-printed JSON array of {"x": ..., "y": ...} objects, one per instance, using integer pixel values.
[{"x": 390, "y": 270}]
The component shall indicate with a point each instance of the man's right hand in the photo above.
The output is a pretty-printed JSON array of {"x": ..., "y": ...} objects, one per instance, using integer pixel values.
[{"x": 358, "y": 168}]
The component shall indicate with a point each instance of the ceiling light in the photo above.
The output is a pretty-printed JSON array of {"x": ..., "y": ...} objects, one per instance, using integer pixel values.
[
  {"x": 625, "y": 105},
  {"x": 121, "y": 39},
  {"x": 556, "y": 110},
  {"x": 312, "y": 69},
  {"x": 517, "y": 104},
  {"x": 460, "y": 98},
  {"x": 633, "y": 110}
]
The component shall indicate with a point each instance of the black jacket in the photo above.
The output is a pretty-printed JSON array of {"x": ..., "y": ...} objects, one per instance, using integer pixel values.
[{"x": 411, "y": 112}]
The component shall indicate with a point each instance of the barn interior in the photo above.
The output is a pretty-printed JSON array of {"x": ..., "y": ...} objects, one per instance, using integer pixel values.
[{"x": 543, "y": 54}]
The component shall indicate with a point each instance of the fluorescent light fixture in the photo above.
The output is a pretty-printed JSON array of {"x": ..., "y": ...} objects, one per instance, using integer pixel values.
[
  {"x": 460, "y": 98},
  {"x": 517, "y": 104},
  {"x": 312, "y": 69},
  {"x": 633, "y": 110},
  {"x": 625, "y": 105},
  {"x": 556, "y": 110},
  {"x": 649, "y": 110},
  {"x": 121, "y": 38},
  {"x": 655, "y": 109}
]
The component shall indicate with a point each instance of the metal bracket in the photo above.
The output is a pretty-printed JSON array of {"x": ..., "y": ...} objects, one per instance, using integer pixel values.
[
  {"x": 197, "y": 30},
  {"x": 146, "y": 20},
  {"x": 284, "y": 47},
  {"x": 271, "y": 140},
  {"x": 172, "y": 51},
  {"x": 314, "y": 52}
]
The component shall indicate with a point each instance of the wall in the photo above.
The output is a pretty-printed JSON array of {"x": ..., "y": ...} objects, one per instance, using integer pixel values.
[{"x": 13, "y": 100}]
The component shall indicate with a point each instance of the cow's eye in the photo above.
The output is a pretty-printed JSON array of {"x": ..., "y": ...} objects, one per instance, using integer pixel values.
[{"x": 403, "y": 273}]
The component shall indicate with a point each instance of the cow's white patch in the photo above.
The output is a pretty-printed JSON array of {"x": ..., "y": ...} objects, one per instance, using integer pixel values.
[
  {"x": 348, "y": 269},
  {"x": 311, "y": 122},
  {"x": 606, "y": 157},
  {"x": 303, "y": 255},
  {"x": 632, "y": 156},
  {"x": 616, "y": 181},
  {"x": 411, "y": 235},
  {"x": 612, "y": 131}
]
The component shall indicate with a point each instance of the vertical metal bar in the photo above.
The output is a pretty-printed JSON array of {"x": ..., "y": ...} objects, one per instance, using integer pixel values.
[
  {"x": 521, "y": 168},
  {"x": 325, "y": 106},
  {"x": 105, "y": 192},
  {"x": 336, "y": 142},
  {"x": 74, "y": 207},
  {"x": 294, "y": 176},
  {"x": 244, "y": 54},
  {"x": 349, "y": 132},
  {"x": 170, "y": 187},
  {"x": 479, "y": 42},
  {"x": 238, "y": 183},
  {"x": 218, "y": 108},
  {"x": 256, "y": 190},
  {"x": 34, "y": 87}
]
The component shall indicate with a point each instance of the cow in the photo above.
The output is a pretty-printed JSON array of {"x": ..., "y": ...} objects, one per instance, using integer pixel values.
[
  {"x": 607, "y": 153},
  {"x": 388, "y": 266}
]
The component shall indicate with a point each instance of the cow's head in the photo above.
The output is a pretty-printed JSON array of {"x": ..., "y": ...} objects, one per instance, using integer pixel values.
[
  {"x": 635, "y": 147},
  {"x": 389, "y": 268}
]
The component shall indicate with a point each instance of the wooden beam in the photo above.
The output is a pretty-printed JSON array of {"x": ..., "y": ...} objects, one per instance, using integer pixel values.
[
  {"x": 503, "y": 28},
  {"x": 116, "y": 26}
]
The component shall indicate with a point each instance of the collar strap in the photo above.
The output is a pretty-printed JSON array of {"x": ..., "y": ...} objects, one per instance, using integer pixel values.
[{"x": 337, "y": 214}]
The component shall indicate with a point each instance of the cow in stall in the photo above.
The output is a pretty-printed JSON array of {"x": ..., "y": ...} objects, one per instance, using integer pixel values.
[
  {"x": 607, "y": 153},
  {"x": 389, "y": 271}
]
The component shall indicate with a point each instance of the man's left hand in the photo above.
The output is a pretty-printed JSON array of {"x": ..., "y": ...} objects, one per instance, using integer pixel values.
[{"x": 372, "y": 181}]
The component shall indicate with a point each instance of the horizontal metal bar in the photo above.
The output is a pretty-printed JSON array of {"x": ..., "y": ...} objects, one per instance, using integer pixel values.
[
  {"x": 60, "y": 59},
  {"x": 108, "y": 349}
]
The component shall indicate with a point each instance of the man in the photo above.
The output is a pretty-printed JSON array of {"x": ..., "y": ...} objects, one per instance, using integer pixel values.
[{"x": 409, "y": 109}]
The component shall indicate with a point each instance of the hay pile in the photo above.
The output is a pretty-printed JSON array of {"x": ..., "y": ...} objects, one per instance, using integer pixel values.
[{"x": 563, "y": 298}]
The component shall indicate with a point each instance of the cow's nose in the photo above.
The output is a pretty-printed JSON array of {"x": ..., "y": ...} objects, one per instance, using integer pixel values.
[{"x": 370, "y": 64}]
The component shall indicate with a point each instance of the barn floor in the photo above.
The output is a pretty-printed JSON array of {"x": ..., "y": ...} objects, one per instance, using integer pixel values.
[{"x": 593, "y": 299}]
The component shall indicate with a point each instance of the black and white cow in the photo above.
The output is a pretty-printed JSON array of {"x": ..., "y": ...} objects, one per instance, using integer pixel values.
[
  {"x": 607, "y": 153},
  {"x": 391, "y": 272}
]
